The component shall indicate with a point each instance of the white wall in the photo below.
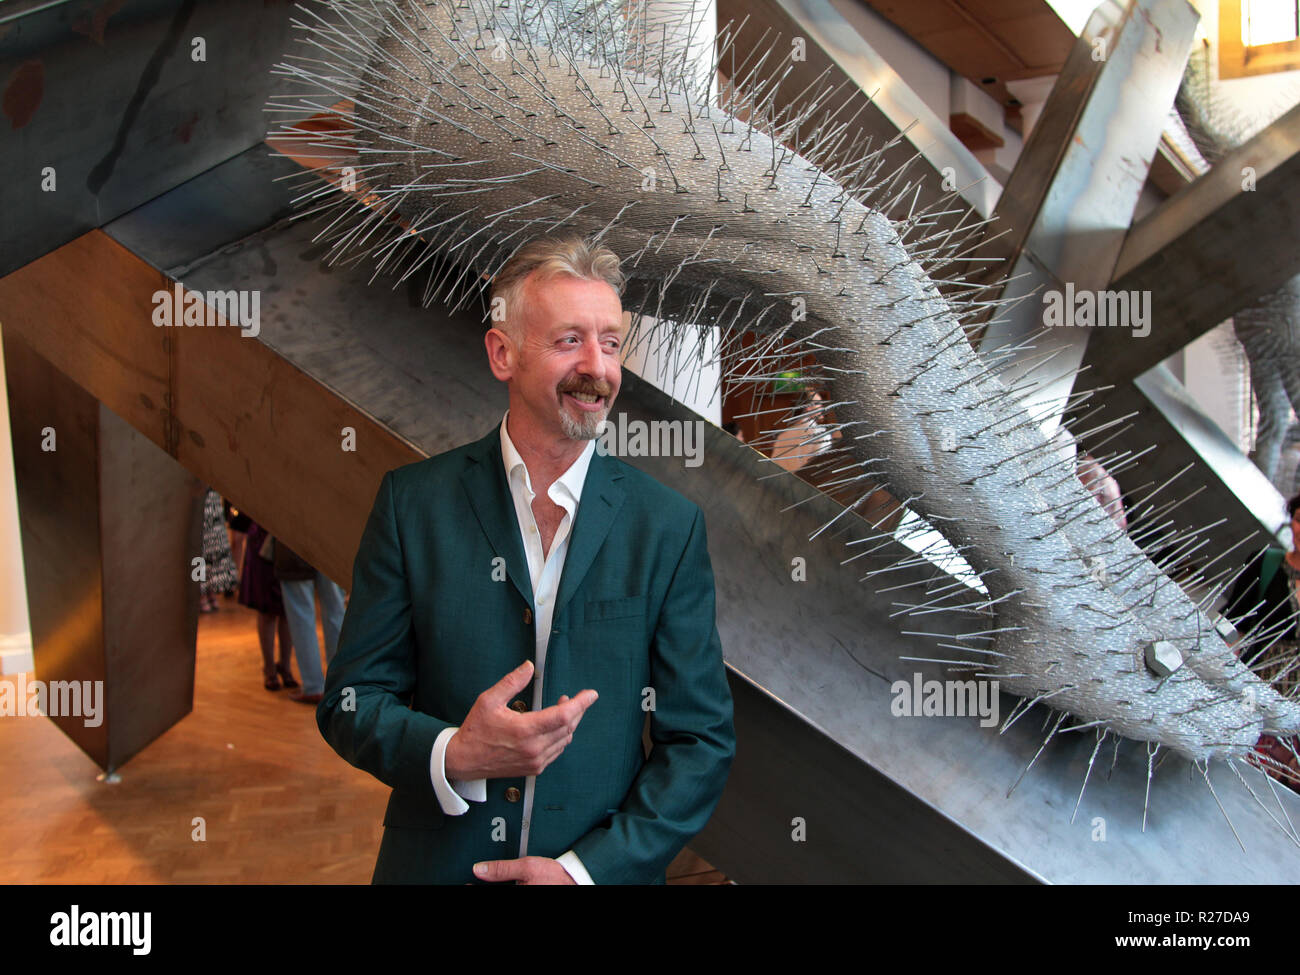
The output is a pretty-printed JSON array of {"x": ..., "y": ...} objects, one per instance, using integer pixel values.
[
  {"x": 1215, "y": 375},
  {"x": 697, "y": 385}
]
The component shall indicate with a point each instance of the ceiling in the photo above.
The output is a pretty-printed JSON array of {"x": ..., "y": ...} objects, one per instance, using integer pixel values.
[{"x": 988, "y": 42}]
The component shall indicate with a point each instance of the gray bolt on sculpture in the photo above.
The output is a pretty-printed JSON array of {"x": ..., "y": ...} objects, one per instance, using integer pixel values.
[{"x": 479, "y": 125}]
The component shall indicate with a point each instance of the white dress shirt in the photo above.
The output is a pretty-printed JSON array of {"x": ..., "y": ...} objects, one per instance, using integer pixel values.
[{"x": 544, "y": 571}]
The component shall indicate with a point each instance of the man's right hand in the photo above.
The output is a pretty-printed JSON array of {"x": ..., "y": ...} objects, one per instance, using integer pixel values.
[{"x": 496, "y": 742}]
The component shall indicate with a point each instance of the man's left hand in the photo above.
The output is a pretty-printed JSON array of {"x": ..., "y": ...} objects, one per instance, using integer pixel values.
[{"x": 528, "y": 870}]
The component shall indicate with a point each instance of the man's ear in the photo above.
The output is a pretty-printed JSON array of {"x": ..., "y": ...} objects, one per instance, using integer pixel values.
[{"x": 502, "y": 354}]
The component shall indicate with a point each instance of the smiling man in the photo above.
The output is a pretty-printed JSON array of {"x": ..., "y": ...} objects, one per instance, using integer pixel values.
[{"x": 519, "y": 606}]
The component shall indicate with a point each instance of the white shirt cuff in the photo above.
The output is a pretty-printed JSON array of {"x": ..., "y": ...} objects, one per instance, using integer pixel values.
[
  {"x": 570, "y": 862},
  {"x": 452, "y": 795}
]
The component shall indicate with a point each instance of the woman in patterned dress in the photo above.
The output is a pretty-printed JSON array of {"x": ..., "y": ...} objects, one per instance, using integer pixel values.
[{"x": 221, "y": 575}]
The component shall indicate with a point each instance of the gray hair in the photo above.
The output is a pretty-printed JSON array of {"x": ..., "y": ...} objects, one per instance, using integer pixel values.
[{"x": 547, "y": 257}]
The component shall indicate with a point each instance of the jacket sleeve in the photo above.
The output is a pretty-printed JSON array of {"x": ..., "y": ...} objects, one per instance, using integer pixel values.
[
  {"x": 678, "y": 787},
  {"x": 364, "y": 713}
]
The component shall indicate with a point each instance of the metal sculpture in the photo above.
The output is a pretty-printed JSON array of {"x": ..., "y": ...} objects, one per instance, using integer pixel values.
[{"x": 474, "y": 126}]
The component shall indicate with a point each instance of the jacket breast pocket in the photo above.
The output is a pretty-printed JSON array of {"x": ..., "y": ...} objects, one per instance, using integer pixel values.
[{"x": 597, "y": 610}]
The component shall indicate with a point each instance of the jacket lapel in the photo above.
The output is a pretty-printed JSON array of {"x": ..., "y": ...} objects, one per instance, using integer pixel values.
[
  {"x": 484, "y": 482},
  {"x": 602, "y": 497}
]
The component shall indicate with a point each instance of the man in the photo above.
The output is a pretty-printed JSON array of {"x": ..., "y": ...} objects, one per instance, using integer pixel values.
[
  {"x": 300, "y": 584},
  {"x": 519, "y": 605}
]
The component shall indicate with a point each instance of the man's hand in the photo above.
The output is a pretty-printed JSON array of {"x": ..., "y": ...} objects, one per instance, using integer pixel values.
[
  {"x": 528, "y": 870},
  {"x": 495, "y": 742}
]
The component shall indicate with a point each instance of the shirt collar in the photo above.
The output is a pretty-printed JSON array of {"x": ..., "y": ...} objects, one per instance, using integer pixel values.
[{"x": 567, "y": 487}]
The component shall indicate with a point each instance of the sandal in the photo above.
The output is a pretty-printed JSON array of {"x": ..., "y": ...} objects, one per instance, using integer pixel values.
[
  {"x": 286, "y": 677},
  {"x": 272, "y": 683}
]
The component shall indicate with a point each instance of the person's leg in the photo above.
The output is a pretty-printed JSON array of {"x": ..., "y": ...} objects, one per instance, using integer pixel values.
[
  {"x": 285, "y": 665},
  {"x": 266, "y": 640},
  {"x": 237, "y": 540},
  {"x": 300, "y": 608},
  {"x": 331, "y": 612}
]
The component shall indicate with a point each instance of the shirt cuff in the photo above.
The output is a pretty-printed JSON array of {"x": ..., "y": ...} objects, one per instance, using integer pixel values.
[
  {"x": 570, "y": 862},
  {"x": 452, "y": 795}
]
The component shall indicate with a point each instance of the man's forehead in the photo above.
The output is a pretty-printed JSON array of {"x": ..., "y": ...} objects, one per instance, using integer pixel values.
[
  {"x": 565, "y": 312},
  {"x": 553, "y": 283}
]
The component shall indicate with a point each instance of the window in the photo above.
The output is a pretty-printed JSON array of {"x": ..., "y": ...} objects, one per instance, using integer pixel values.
[{"x": 1258, "y": 37}]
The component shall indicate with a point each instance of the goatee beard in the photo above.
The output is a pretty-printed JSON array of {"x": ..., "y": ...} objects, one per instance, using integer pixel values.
[{"x": 587, "y": 427}]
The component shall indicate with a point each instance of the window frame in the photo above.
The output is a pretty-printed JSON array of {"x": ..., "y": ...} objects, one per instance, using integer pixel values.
[{"x": 1236, "y": 60}]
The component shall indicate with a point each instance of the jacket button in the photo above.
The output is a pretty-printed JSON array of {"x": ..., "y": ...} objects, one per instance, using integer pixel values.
[
  {"x": 512, "y": 794},
  {"x": 528, "y": 616},
  {"x": 518, "y": 705}
]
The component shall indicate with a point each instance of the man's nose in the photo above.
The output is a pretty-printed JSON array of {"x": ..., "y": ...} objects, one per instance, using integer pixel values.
[{"x": 593, "y": 362}]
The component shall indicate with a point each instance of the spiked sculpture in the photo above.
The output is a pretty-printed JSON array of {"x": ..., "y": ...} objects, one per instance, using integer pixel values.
[{"x": 475, "y": 126}]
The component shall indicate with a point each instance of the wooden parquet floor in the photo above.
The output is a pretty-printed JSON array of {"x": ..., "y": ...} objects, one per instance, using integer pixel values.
[{"x": 277, "y": 804}]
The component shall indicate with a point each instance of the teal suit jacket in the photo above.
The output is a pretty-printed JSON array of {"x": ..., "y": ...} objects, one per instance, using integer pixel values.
[{"x": 435, "y": 617}]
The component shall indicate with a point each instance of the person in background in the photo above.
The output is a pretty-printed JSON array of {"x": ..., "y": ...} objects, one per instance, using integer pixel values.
[
  {"x": 259, "y": 590},
  {"x": 238, "y": 523},
  {"x": 300, "y": 583},
  {"x": 1264, "y": 604},
  {"x": 1102, "y": 486},
  {"x": 805, "y": 437},
  {"x": 220, "y": 573}
]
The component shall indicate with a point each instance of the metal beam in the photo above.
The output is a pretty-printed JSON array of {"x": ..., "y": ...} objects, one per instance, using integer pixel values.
[
  {"x": 109, "y": 525},
  {"x": 105, "y": 109},
  {"x": 1208, "y": 251},
  {"x": 230, "y": 410},
  {"x": 1070, "y": 199},
  {"x": 1231, "y": 493},
  {"x": 836, "y": 52}
]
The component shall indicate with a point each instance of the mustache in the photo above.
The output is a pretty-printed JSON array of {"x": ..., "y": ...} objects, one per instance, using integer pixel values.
[{"x": 592, "y": 387}]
